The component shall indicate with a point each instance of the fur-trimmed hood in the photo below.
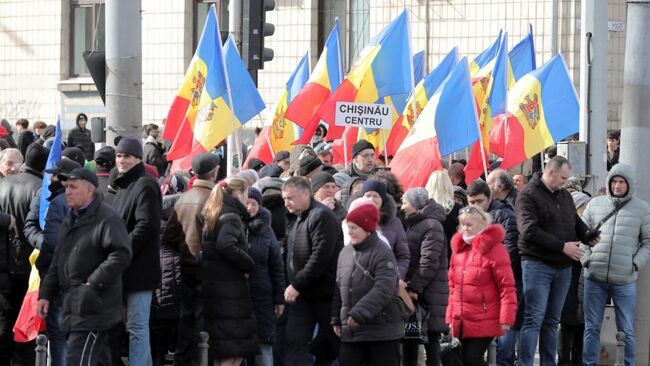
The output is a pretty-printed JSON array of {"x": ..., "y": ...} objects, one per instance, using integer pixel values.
[
  {"x": 484, "y": 241},
  {"x": 260, "y": 222}
]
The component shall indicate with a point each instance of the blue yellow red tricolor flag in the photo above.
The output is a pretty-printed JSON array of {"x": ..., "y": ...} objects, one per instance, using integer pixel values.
[
  {"x": 485, "y": 57},
  {"x": 447, "y": 123},
  {"x": 543, "y": 108},
  {"x": 28, "y": 323},
  {"x": 522, "y": 56},
  {"x": 282, "y": 132}
]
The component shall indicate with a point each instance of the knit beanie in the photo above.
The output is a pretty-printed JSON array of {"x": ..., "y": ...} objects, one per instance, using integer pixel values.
[
  {"x": 36, "y": 157},
  {"x": 320, "y": 179},
  {"x": 255, "y": 194},
  {"x": 249, "y": 175},
  {"x": 364, "y": 213},
  {"x": 271, "y": 170},
  {"x": 74, "y": 153},
  {"x": 130, "y": 146},
  {"x": 309, "y": 163},
  {"x": 417, "y": 197},
  {"x": 580, "y": 199},
  {"x": 361, "y": 145},
  {"x": 373, "y": 185}
]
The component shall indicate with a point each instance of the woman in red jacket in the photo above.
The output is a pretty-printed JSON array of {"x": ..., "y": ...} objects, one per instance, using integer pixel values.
[{"x": 482, "y": 295}]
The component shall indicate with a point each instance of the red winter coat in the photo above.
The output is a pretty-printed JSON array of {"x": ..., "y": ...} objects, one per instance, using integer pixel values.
[{"x": 482, "y": 293}]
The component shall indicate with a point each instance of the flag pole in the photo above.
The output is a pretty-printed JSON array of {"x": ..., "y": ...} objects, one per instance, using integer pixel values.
[
  {"x": 415, "y": 116},
  {"x": 383, "y": 140},
  {"x": 345, "y": 147},
  {"x": 341, "y": 72},
  {"x": 268, "y": 135}
]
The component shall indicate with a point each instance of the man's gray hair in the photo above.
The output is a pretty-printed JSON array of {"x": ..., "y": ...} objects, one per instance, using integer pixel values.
[{"x": 11, "y": 149}]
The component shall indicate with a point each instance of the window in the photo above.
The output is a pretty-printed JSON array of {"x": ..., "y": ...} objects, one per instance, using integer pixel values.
[
  {"x": 86, "y": 32},
  {"x": 201, "y": 8}
]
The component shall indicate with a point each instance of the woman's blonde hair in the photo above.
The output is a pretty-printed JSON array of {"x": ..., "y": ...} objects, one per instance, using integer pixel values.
[
  {"x": 214, "y": 205},
  {"x": 441, "y": 189},
  {"x": 475, "y": 210}
]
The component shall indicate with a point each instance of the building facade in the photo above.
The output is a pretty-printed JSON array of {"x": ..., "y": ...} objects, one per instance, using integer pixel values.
[{"x": 42, "y": 73}]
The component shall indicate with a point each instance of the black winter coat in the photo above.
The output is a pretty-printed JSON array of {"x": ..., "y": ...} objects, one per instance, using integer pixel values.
[
  {"x": 227, "y": 304},
  {"x": 546, "y": 220},
  {"x": 81, "y": 138},
  {"x": 275, "y": 204},
  {"x": 166, "y": 300},
  {"x": 5, "y": 279},
  {"x": 451, "y": 226},
  {"x": 154, "y": 155},
  {"x": 313, "y": 245},
  {"x": 267, "y": 280},
  {"x": 16, "y": 195},
  {"x": 138, "y": 201},
  {"x": 366, "y": 281},
  {"x": 92, "y": 253},
  {"x": 24, "y": 140},
  {"x": 503, "y": 214},
  {"x": 427, "y": 275},
  {"x": 391, "y": 228}
]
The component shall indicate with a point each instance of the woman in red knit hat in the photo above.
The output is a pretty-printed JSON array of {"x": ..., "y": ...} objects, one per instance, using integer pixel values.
[
  {"x": 365, "y": 313},
  {"x": 482, "y": 295}
]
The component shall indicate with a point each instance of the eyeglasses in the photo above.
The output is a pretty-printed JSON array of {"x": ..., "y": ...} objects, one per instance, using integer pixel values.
[{"x": 468, "y": 209}]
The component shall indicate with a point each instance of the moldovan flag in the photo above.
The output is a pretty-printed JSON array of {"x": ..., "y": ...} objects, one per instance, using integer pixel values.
[
  {"x": 384, "y": 67},
  {"x": 325, "y": 78},
  {"x": 423, "y": 92},
  {"x": 447, "y": 123},
  {"x": 282, "y": 132},
  {"x": 29, "y": 324},
  {"x": 543, "y": 109},
  {"x": 182, "y": 114},
  {"x": 485, "y": 57}
]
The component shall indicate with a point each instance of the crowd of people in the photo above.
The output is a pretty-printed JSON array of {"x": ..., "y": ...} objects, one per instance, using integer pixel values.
[{"x": 301, "y": 262}]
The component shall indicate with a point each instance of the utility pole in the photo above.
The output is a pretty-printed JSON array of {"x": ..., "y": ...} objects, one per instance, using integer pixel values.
[
  {"x": 635, "y": 134},
  {"x": 123, "y": 68},
  {"x": 234, "y": 28},
  {"x": 593, "y": 89}
]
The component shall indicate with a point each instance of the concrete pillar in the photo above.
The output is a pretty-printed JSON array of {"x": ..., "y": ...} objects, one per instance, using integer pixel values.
[
  {"x": 123, "y": 68},
  {"x": 635, "y": 135},
  {"x": 593, "y": 89}
]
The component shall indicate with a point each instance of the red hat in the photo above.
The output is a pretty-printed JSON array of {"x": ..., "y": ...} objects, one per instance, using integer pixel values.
[{"x": 364, "y": 213}]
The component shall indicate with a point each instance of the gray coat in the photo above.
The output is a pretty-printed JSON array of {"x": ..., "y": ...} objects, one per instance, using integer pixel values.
[
  {"x": 625, "y": 238},
  {"x": 370, "y": 298}
]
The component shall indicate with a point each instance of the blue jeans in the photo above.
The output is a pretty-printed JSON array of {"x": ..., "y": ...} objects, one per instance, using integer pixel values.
[
  {"x": 507, "y": 343},
  {"x": 265, "y": 358},
  {"x": 55, "y": 335},
  {"x": 545, "y": 289},
  {"x": 138, "y": 306},
  {"x": 596, "y": 295}
]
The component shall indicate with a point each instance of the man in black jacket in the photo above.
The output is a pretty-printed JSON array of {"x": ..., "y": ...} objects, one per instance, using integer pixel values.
[
  {"x": 313, "y": 244},
  {"x": 93, "y": 252},
  {"x": 80, "y": 137},
  {"x": 479, "y": 193},
  {"x": 549, "y": 229},
  {"x": 138, "y": 201}
]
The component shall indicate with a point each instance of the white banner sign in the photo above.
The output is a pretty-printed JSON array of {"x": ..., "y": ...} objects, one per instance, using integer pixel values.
[{"x": 363, "y": 115}]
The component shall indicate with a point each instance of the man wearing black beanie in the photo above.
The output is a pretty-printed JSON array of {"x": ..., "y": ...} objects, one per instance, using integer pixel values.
[
  {"x": 363, "y": 160},
  {"x": 324, "y": 188}
]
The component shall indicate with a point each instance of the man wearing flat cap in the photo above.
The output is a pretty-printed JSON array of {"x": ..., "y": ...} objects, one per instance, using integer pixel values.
[
  {"x": 363, "y": 160},
  {"x": 91, "y": 255},
  {"x": 183, "y": 234},
  {"x": 138, "y": 200}
]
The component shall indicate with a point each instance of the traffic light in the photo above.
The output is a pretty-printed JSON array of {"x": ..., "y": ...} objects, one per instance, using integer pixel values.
[{"x": 255, "y": 28}]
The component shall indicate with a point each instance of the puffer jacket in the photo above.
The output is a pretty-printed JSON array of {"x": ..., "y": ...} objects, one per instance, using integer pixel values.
[
  {"x": 482, "y": 293},
  {"x": 267, "y": 278},
  {"x": 391, "y": 228},
  {"x": 625, "y": 238},
  {"x": 503, "y": 213},
  {"x": 154, "y": 155},
  {"x": 366, "y": 279},
  {"x": 16, "y": 194},
  {"x": 427, "y": 274},
  {"x": 92, "y": 254},
  {"x": 546, "y": 220},
  {"x": 81, "y": 138}
]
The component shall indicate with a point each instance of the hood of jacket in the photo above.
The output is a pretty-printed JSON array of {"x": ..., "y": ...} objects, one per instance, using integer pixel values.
[
  {"x": 625, "y": 171},
  {"x": 77, "y": 120},
  {"x": 484, "y": 241},
  {"x": 388, "y": 210},
  {"x": 260, "y": 222},
  {"x": 4, "y": 123},
  {"x": 431, "y": 210}
]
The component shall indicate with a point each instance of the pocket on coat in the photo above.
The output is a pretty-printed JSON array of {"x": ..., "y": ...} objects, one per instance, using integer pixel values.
[{"x": 84, "y": 300}]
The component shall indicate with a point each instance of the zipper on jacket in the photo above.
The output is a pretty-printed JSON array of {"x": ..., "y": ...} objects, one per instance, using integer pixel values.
[
  {"x": 611, "y": 244},
  {"x": 484, "y": 303}
]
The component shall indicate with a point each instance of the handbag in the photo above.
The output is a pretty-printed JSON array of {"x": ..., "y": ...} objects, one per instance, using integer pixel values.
[{"x": 415, "y": 328}]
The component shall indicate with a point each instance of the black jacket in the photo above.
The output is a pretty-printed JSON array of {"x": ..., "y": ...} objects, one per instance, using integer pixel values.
[
  {"x": 366, "y": 281},
  {"x": 267, "y": 279},
  {"x": 139, "y": 202},
  {"x": 81, "y": 138},
  {"x": 24, "y": 140},
  {"x": 313, "y": 245},
  {"x": 503, "y": 214},
  {"x": 546, "y": 220},
  {"x": 392, "y": 229},
  {"x": 275, "y": 204},
  {"x": 227, "y": 304},
  {"x": 154, "y": 155},
  {"x": 166, "y": 300},
  {"x": 5, "y": 279},
  {"x": 92, "y": 253},
  {"x": 427, "y": 275},
  {"x": 16, "y": 194}
]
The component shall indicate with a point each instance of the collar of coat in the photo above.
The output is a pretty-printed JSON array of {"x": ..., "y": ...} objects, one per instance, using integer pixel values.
[
  {"x": 123, "y": 180},
  {"x": 484, "y": 242}
]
